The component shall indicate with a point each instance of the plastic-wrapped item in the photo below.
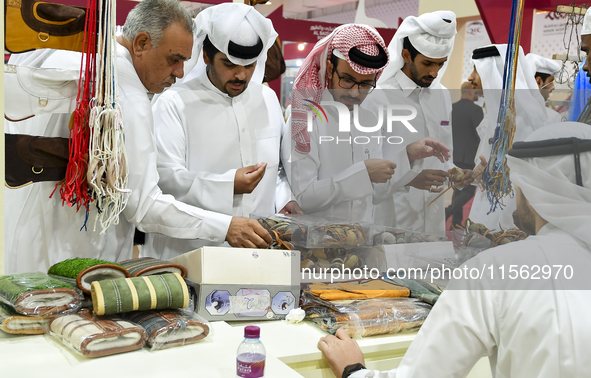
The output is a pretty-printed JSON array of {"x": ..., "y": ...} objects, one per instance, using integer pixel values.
[
  {"x": 337, "y": 258},
  {"x": 147, "y": 266},
  {"x": 305, "y": 231},
  {"x": 95, "y": 336},
  {"x": 170, "y": 328},
  {"x": 85, "y": 271},
  {"x": 418, "y": 289},
  {"x": 383, "y": 235},
  {"x": 12, "y": 322},
  {"x": 155, "y": 292},
  {"x": 369, "y": 289},
  {"x": 39, "y": 294},
  {"x": 366, "y": 317}
]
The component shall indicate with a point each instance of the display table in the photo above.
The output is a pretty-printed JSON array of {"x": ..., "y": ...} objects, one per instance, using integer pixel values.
[{"x": 291, "y": 352}]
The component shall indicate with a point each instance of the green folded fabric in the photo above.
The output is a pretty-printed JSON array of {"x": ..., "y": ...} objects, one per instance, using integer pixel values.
[
  {"x": 148, "y": 265},
  {"x": 85, "y": 271},
  {"x": 38, "y": 294},
  {"x": 139, "y": 293}
]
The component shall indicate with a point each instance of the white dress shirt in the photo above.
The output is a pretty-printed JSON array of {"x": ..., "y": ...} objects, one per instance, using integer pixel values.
[
  {"x": 332, "y": 179},
  {"x": 203, "y": 137},
  {"x": 43, "y": 232},
  {"x": 433, "y": 119}
]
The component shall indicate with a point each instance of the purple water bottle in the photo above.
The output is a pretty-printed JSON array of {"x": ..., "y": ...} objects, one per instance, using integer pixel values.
[{"x": 250, "y": 362}]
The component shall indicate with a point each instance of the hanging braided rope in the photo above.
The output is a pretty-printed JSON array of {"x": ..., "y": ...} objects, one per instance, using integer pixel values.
[
  {"x": 571, "y": 31},
  {"x": 74, "y": 188},
  {"x": 495, "y": 176},
  {"x": 107, "y": 167},
  {"x": 97, "y": 169}
]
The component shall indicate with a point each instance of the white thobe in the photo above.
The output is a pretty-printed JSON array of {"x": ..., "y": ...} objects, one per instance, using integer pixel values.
[
  {"x": 332, "y": 179},
  {"x": 553, "y": 115},
  {"x": 44, "y": 233},
  {"x": 203, "y": 137},
  {"x": 523, "y": 330},
  {"x": 433, "y": 106}
]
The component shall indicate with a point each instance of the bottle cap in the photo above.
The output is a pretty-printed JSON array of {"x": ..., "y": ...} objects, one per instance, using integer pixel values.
[{"x": 252, "y": 332}]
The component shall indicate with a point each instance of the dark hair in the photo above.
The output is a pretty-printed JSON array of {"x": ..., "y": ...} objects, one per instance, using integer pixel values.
[
  {"x": 209, "y": 49},
  {"x": 543, "y": 76},
  {"x": 411, "y": 49},
  {"x": 334, "y": 60}
]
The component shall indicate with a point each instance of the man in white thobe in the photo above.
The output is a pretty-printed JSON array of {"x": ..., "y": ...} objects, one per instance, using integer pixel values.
[
  {"x": 47, "y": 233},
  {"x": 218, "y": 133},
  {"x": 336, "y": 167},
  {"x": 420, "y": 50},
  {"x": 533, "y": 321},
  {"x": 530, "y": 114},
  {"x": 545, "y": 69}
]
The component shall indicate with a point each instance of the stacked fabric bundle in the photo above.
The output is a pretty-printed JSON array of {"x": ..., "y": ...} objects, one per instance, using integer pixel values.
[
  {"x": 95, "y": 336},
  {"x": 128, "y": 311},
  {"x": 170, "y": 328},
  {"x": 27, "y": 301},
  {"x": 13, "y": 322},
  {"x": 372, "y": 308},
  {"x": 38, "y": 294}
]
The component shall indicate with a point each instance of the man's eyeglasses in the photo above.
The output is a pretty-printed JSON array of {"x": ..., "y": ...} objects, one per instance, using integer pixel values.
[{"x": 347, "y": 83}]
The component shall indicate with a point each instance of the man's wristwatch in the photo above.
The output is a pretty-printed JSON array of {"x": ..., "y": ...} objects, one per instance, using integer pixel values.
[{"x": 350, "y": 369}]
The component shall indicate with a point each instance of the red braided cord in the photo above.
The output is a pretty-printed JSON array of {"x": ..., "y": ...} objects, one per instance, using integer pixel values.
[{"x": 74, "y": 190}]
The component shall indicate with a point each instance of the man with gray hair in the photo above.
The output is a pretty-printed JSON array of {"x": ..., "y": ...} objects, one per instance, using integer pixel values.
[
  {"x": 157, "y": 40},
  {"x": 529, "y": 311}
]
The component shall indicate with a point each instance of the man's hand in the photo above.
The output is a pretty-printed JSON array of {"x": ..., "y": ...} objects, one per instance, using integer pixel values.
[
  {"x": 247, "y": 233},
  {"x": 379, "y": 170},
  {"x": 478, "y": 171},
  {"x": 247, "y": 178},
  {"x": 468, "y": 178},
  {"x": 340, "y": 351},
  {"x": 428, "y": 178},
  {"x": 427, "y": 147},
  {"x": 292, "y": 207}
]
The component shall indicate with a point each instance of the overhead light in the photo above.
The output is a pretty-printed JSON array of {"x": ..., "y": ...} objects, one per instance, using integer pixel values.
[
  {"x": 268, "y": 3},
  {"x": 301, "y": 46},
  {"x": 299, "y": 62}
]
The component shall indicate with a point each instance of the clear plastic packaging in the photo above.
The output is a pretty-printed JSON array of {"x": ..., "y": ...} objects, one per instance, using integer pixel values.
[
  {"x": 12, "y": 322},
  {"x": 96, "y": 336},
  {"x": 251, "y": 355},
  {"x": 170, "y": 328},
  {"x": 39, "y": 294},
  {"x": 84, "y": 271},
  {"x": 333, "y": 258},
  {"x": 365, "y": 317},
  {"x": 418, "y": 289},
  {"x": 383, "y": 235},
  {"x": 305, "y": 231}
]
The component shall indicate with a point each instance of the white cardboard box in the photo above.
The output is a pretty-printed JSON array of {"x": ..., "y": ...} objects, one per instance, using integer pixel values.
[{"x": 241, "y": 284}]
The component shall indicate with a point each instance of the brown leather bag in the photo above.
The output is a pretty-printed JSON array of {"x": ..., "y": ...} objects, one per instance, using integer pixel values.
[
  {"x": 32, "y": 24},
  {"x": 31, "y": 159}
]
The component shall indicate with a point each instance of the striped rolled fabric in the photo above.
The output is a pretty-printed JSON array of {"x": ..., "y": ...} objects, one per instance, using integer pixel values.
[
  {"x": 148, "y": 265},
  {"x": 139, "y": 293},
  {"x": 170, "y": 328}
]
